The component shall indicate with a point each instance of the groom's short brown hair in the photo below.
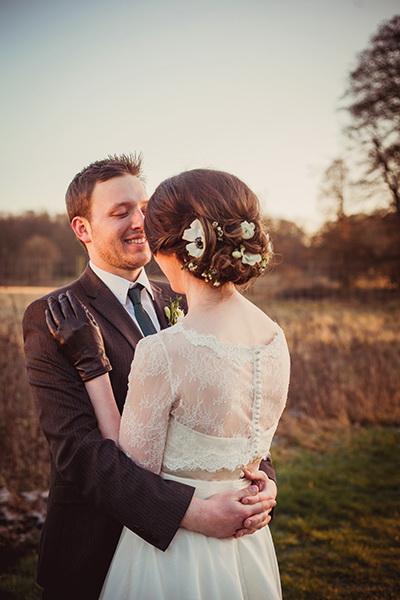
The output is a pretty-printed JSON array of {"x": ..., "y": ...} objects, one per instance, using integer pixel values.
[{"x": 79, "y": 192}]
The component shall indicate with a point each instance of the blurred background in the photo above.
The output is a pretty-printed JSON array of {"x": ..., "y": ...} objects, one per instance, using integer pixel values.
[{"x": 301, "y": 100}]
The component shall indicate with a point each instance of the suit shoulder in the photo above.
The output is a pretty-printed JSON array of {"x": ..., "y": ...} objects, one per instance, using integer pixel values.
[
  {"x": 168, "y": 293},
  {"x": 163, "y": 286},
  {"x": 37, "y": 307}
]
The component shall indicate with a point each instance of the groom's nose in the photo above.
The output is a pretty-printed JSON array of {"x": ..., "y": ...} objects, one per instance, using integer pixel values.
[{"x": 137, "y": 218}]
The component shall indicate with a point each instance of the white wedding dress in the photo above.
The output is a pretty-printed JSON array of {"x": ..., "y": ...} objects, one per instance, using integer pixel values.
[{"x": 197, "y": 411}]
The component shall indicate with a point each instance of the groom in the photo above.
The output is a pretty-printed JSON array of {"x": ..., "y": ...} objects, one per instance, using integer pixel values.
[{"x": 95, "y": 488}]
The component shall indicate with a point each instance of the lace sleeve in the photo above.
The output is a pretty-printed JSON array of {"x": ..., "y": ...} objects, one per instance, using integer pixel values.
[{"x": 148, "y": 403}]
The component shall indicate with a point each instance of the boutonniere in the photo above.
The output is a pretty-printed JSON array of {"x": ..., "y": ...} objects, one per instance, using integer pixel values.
[{"x": 173, "y": 311}]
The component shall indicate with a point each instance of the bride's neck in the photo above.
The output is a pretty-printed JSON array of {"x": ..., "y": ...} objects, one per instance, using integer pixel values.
[{"x": 202, "y": 296}]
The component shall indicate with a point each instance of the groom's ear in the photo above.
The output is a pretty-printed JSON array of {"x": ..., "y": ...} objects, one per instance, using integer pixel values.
[{"x": 81, "y": 227}]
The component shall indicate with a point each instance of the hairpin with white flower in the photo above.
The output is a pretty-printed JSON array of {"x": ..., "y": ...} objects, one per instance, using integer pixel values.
[
  {"x": 248, "y": 230},
  {"x": 196, "y": 236},
  {"x": 246, "y": 257}
]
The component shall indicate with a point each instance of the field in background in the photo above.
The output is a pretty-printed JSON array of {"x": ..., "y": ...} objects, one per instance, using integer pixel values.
[
  {"x": 345, "y": 357},
  {"x": 23, "y": 451}
]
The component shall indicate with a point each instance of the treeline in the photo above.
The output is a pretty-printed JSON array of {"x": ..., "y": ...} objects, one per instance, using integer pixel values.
[
  {"x": 349, "y": 252},
  {"x": 38, "y": 249}
]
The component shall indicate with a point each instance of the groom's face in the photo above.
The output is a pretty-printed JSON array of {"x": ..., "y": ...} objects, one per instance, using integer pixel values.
[{"x": 117, "y": 239}]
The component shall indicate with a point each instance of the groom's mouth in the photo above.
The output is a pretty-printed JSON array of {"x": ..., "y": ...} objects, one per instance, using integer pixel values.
[{"x": 136, "y": 241}]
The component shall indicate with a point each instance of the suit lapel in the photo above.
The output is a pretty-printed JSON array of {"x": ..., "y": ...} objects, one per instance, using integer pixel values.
[
  {"x": 161, "y": 300},
  {"x": 103, "y": 300}
]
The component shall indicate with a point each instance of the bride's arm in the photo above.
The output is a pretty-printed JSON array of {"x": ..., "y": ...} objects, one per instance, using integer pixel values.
[
  {"x": 102, "y": 398},
  {"x": 147, "y": 407}
]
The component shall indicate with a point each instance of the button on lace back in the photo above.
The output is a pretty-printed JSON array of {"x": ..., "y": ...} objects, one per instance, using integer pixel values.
[{"x": 198, "y": 404}]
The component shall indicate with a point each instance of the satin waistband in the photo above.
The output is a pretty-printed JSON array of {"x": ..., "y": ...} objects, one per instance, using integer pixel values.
[{"x": 208, "y": 487}]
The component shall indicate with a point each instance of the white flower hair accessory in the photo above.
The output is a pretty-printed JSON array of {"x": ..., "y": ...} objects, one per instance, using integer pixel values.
[
  {"x": 246, "y": 257},
  {"x": 195, "y": 234},
  {"x": 248, "y": 230}
]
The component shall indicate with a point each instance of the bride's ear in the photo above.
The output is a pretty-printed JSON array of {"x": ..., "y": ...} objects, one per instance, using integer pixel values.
[{"x": 81, "y": 227}]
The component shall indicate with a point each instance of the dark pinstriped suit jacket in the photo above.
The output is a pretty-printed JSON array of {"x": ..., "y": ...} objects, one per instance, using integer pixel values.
[{"x": 95, "y": 488}]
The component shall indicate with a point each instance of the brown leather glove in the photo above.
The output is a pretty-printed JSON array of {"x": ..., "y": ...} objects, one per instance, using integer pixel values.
[{"x": 76, "y": 331}]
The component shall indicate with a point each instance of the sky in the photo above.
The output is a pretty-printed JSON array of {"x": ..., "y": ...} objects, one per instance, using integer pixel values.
[{"x": 251, "y": 87}]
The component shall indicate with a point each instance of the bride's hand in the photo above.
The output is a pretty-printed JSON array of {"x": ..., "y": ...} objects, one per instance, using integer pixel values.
[
  {"x": 222, "y": 515},
  {"x": 77, "y": 333},
  {"x": 268, "y": 492},
  {"x": 262, "y": 480}
]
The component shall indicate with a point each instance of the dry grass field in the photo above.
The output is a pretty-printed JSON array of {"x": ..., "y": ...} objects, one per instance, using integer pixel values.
[
  {"x": 23, "y": 451},
  {"x": 345, "y": 358},
  {"x": 333, "y": 474}
]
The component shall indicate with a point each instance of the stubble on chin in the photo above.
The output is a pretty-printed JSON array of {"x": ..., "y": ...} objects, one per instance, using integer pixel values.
[{"x": 122, "y": 260}]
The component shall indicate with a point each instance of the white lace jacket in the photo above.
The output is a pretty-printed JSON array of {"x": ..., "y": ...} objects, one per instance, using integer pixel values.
[{"x": 197, "y": 404}]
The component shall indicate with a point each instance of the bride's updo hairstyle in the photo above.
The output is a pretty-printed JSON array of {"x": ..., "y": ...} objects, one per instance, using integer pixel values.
[{"x": 231, "y": 244}]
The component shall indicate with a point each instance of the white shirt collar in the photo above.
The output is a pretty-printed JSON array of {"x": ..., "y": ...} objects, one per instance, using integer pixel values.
[{"x": 119, "y": 285}]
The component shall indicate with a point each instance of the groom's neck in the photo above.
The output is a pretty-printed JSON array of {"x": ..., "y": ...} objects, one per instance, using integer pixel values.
[{"x": 128, "y": 274}]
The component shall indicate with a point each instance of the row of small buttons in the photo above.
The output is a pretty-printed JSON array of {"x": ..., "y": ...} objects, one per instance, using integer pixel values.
[{"x": 257, "y": 399}]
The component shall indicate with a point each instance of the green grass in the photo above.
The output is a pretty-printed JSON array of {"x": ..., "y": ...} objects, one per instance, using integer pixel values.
[
  {"x": 336, "y": 528},
  {"x": 17, "y": 578}
]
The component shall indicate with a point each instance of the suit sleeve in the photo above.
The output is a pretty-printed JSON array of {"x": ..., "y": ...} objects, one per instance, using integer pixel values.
[
  {"x": 142, "y": 501},
  {"x": 268, "y": 468}
]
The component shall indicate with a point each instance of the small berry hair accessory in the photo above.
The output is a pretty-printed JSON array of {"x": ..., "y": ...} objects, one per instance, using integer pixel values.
[
  {"x": 210, "y": 275},
  {"x": 218, "y": 230}
]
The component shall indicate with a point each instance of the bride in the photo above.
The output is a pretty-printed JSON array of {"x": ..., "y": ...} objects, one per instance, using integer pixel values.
[{"x": 205, "y": 395}]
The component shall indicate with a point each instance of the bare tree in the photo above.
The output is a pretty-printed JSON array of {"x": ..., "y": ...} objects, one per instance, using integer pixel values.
[
  {"x": 334, "y": 186},
  {"x": 374, "y": 90}
]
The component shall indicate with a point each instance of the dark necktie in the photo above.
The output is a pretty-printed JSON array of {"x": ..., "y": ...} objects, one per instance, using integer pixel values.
[{"x": 145, "y": 323}]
